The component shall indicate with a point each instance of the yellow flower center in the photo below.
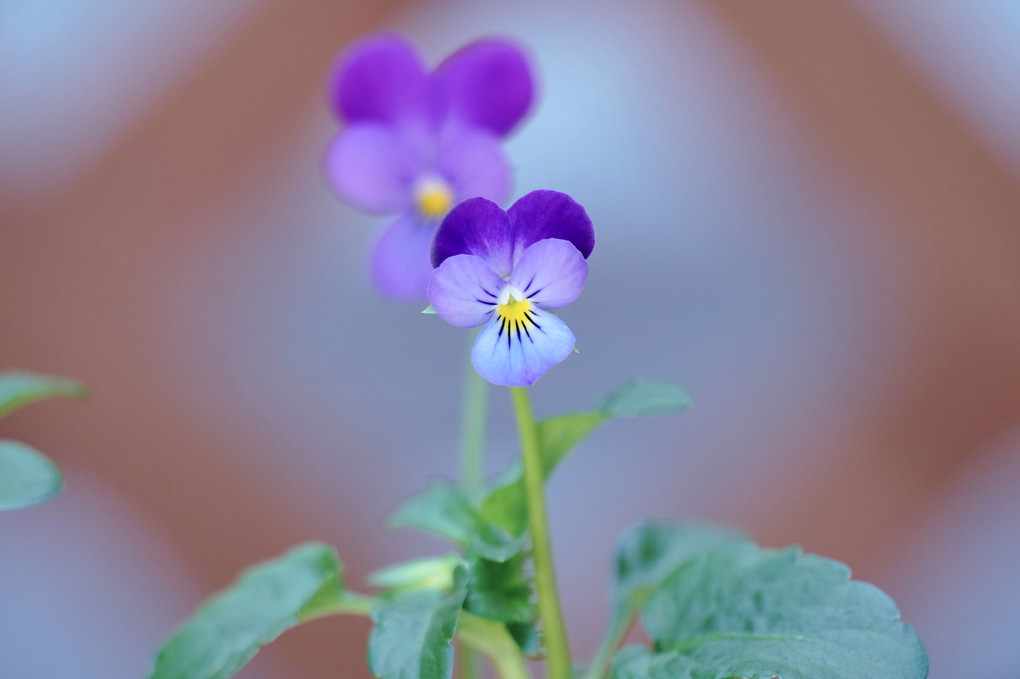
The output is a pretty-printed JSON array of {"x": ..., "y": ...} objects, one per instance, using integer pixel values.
[
  {"x": 516, "y": 319},
  {"x": 514, "y": 311},
  {"x": 434, "y": 197}
]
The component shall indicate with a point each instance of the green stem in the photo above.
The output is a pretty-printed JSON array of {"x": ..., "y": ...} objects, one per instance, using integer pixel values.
[
  {"x": 344, "y": 603},
  {"x": 610, "y": 642},
  {"x": 474, "y": 410},
  {"x": 472, "y": 427},
  {"x": 468, "y": 665},
  {"x": 491, "y": 639},
  {"x": 478, "y": 635},
  {"x": 555, "y": 633}
]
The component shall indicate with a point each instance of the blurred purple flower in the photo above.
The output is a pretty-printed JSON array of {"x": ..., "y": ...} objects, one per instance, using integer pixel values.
[
  {"x": 506, "y": 270},
  {"x": 416, "y": 143}
]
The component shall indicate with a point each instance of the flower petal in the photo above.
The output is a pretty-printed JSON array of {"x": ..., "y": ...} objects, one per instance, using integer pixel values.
[
  {"x": 373, "y": 168},
  {"x": 464, "y": 290},
  {"x": 551, "y": 273},
  {"x": 550, "y": 214},
  {"x": 474, "y": 163},
  {"x": 487, "y": 84},
  {"x": 475, "y": 227},
  {"x": 379, "y": 79},
  {"x": 516, "y": 357},
  {"x": 400, "y": 261}
]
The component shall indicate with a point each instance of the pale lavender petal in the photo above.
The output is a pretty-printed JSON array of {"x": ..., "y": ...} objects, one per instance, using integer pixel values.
[
  {"x": 487, "y": 84},
  {"x": 379, "y": 79},
  {"x": 475, "y": 227},
  {"x": 475, "y": 164},
  {"x": 550, "y": 214},
  {"x": 464, "y": 290},
  {"x": 400, "y": 261},
  {"x": 372, "y": 168},
  {"x": 551, "y": 273},
  {"x": 517, "y": 357}
]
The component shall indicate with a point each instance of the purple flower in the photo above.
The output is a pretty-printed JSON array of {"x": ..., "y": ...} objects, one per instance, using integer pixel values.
[
  {"x": 417, "y": 143},
  {"x": 507, "y": 270}
]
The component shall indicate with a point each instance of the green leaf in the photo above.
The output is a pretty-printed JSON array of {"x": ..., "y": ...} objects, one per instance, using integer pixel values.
[
  {"x": 266, "y": 600},
  {"x": 428, "y": 310},
  {"x": 746, "y": 613},
  {"x": 27, "y": 477},
  {"x": 500, "y": 591},
  {"x": 646, "y": 555},
  {"x": 642, "y": 398},
  {"x": 445, "y": 510},
  {"x": 429, "y": 573},
  {"x": 653, "y": 550},
  {"x": 505, "y": 504},
  {"x": 412, "y": 633},
  {"x": 18, "y": 389}
]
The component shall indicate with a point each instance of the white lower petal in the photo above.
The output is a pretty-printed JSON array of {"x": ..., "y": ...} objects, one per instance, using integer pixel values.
[{"x": 516, "y": 355}]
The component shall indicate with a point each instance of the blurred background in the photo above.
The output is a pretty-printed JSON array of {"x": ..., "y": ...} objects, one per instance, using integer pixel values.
[{"x": 808, "y": 212}]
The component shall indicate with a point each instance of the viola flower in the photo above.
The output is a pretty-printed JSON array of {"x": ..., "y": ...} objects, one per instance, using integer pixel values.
[
  {"x": 507, "y": 271},
  {"x": 416, "y": 143}
]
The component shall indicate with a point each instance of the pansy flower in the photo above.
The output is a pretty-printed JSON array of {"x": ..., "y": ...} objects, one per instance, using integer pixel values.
[
  {"x": 506, "y": 270},
  {"x": 416, "y": 143}
]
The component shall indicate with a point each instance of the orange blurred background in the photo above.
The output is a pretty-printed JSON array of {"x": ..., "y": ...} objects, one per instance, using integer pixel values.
[{"x": 808, "y": 212}]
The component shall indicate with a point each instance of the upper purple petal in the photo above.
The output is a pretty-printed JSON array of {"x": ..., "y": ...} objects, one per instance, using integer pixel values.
[
  {"x": 475, "y": 165},
  {"x": 400, "y": 260},
  {"x": 551, "y": 273},
  {"x": 476, "y": 227},
  {"x": 550, "y": 214},
  {"x": 373, "y": 168},
  {"x": 464, "y": 291},
  {"x": 487, "y": 84},
  {"x": 380, "y": 78}
]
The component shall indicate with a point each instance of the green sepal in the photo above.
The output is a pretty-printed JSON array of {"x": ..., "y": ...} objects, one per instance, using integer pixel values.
[
  {"x": 27, "y": 477},
  {"x": 501, "y": 591},
  {"x": 413, "y": 630},
  {"x": 19, "y": 388},
  {"x": 506, "y": 505},
  {"x": 527, "y": 638},
  {"x": 428, "y": 310},
  {"x": 741, "y": 612},
  {"x": 445, "y": 510},
  {"x": 264, "y": 602}
]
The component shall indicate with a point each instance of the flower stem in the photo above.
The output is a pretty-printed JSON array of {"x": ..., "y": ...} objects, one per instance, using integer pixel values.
[
  {"x": 474, "y": 410},
  {"x": 554, "y": 632}
]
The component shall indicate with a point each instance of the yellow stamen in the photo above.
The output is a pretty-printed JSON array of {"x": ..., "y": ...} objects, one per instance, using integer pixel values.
[{"x": 434, "y": 198}]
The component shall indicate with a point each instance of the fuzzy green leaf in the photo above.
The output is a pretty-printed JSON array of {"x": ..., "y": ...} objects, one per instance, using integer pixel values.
[
  {"x": 740, "y": 612},
  {"x": 18, "y": 389},
  {"x": 653, "y": 550},
  {"x": 445, "y": 510},
  {"x": 27, "y": 477},
  {"x": 266, "y": 600},
  {"x": 413, "y": 630},
  {"x": 505, "y": 504}
]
